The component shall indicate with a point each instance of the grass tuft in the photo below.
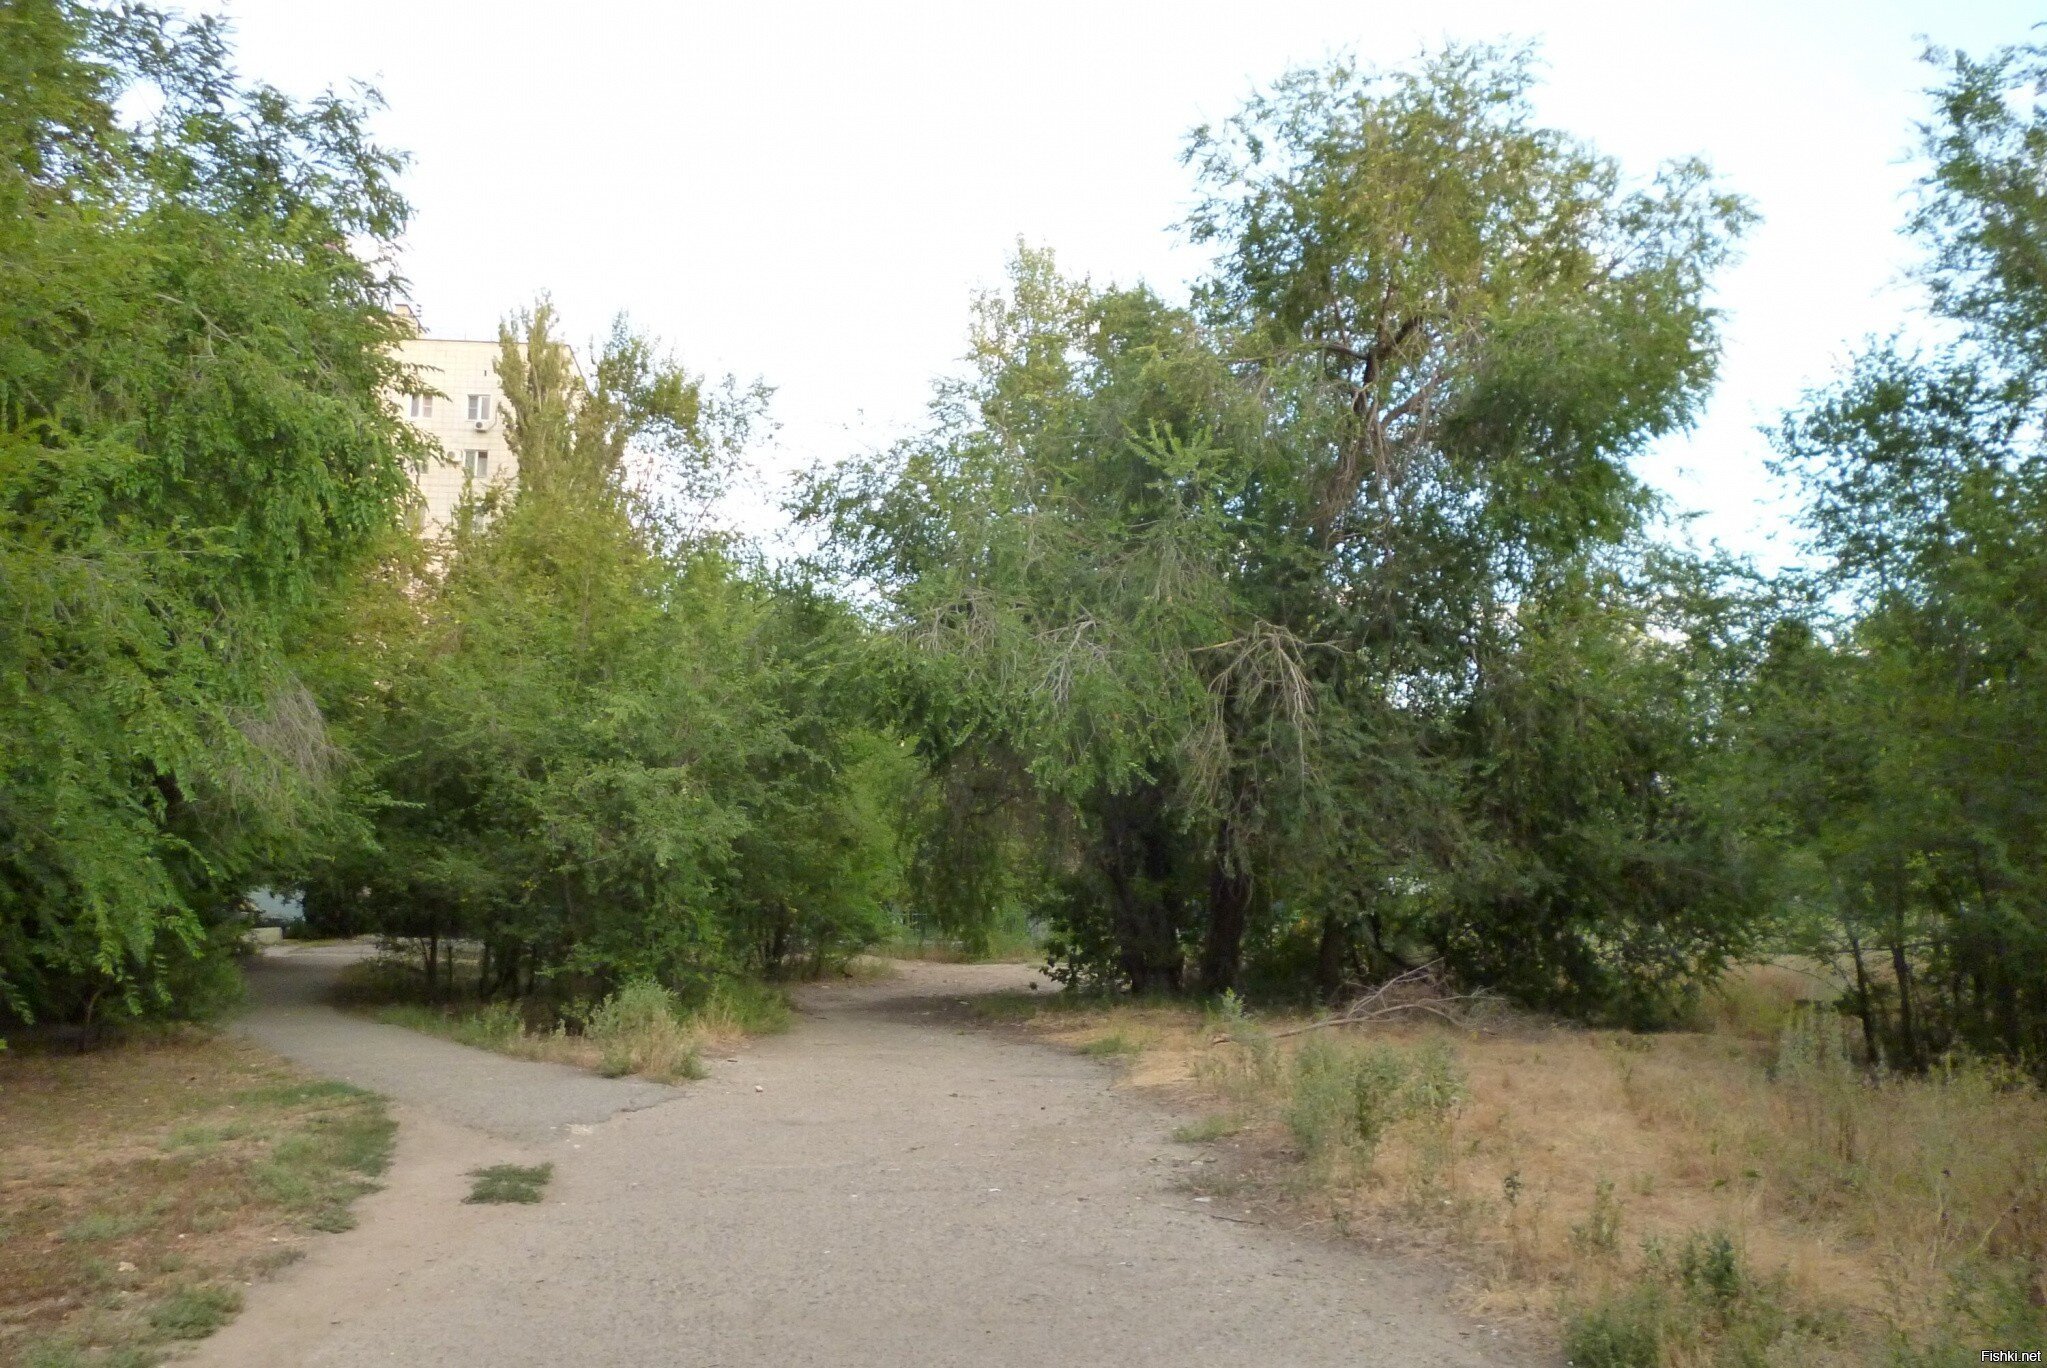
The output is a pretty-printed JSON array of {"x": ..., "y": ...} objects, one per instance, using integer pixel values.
[
  {"x": 1111, "y": 1046},
  {"x": 509, "y": 1183},
  {"x": 1215, "y": 1127},
  {"x": 106, "y": 1225},
  {"x": 195, "y": 1312}
]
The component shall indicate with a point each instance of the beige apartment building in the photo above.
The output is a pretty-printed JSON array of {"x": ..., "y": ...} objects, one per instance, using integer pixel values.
[{"x": 465, "y": 417}]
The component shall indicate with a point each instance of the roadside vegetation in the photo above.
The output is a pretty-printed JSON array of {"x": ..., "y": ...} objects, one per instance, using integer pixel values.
[
  {"x": 1011, "y": 940},
  {"x": 145, "y": 1185},
  {"x": 640, "y": 1028},
  {"x": 1740, "y": 1193}
]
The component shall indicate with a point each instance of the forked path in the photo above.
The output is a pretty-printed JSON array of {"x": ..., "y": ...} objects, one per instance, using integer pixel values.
[{"x": 884, "y": 1185}]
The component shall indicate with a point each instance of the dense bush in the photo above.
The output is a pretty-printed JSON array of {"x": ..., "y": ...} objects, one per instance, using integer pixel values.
[{"x": 196, "y": 459}]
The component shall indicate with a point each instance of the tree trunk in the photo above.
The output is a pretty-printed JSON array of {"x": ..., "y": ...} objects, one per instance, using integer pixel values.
[
  {"x": 1908, "y": 1026},
  {"x": 1229, "y": 903},
  {"x": 1863, "y": 1007},
  {"x": 1137, "y": 861},
  {"x": 1333, "y": 956}
]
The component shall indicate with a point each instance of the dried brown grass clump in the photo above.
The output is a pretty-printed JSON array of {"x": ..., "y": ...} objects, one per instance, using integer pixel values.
[{"x": 1846, "y": 1215}]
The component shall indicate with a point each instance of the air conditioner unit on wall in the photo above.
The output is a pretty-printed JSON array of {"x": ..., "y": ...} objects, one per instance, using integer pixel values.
[{"x": 483, "y": 425}]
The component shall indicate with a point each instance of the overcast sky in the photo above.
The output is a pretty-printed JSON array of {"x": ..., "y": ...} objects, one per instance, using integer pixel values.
[{"x": 812, "y": 195}]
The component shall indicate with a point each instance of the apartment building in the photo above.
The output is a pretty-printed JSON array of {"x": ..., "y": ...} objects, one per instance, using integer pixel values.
[{"x": 465, "y": 417}]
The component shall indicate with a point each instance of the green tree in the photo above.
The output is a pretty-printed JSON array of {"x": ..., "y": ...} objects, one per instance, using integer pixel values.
[
  {"x": 1898, "y": 736},
  {"x": 1213, "y": 592},
  {"x": 607, "y": 750},
  {"x": 196, "y": 455}
]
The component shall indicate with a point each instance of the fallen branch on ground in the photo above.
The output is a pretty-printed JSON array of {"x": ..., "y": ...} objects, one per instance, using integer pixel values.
[{"x": 1425, "y": 980}]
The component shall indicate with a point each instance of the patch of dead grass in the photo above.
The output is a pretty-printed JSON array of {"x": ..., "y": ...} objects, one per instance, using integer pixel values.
[
  {"x": 148, "y": 1178},
  {"x": 1573, "y": 1151}
]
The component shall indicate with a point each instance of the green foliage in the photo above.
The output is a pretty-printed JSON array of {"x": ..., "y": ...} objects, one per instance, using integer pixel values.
[
  {"x": 636, "y": 1006},
  {"x": 1342, "y": 1098},
  {"x": 1600, "y": 1231},
  {"x": 1282, "y": 622},
  {"x": 638, "y": 1023},
  {"x": 195, "y": 1312},
  {"x": 1991, "y": 1304},
  {"x": 609, "y": 751},
  {"x": 196, "y": 456},
  {"x": 1114, "y": 1045},
  {"x": 1896, "y": 759},
  {"x": 1219, "y": 1126},
  {"x": 509, "y": 1183},
  {"x": 345, "y": 1145}
]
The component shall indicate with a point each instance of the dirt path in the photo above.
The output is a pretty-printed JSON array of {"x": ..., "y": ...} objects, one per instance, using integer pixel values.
[{"x": 883, "y": 1186}]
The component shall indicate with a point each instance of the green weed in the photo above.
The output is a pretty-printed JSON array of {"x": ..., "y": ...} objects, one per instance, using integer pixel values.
[
  {"x": 1342, "y": 1098},
  {"x": 509, "y": 1183},
  {"x": 638, "y": 1030},
  {"x": 105, "y": 1225},
  {"x": 194, "y": 1312},
  {"x": 1701, "y": 1306},
  {"x": 319, "y": 1171},
  {"x": 1600, "y": 1231}
]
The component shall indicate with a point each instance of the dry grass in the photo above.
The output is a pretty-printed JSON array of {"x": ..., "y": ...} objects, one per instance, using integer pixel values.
[
  {"x": 1567, "y": 1168},
  {"x": 144, "y": 1184}
]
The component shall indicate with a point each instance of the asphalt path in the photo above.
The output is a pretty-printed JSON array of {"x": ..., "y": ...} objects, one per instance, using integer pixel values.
[
  {"x": 887, "y": 1184},
  {"x": 515, "y": 1098}
]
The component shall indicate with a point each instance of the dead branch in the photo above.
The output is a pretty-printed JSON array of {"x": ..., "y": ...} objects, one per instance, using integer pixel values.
[{"x": 1419, "y": 988}]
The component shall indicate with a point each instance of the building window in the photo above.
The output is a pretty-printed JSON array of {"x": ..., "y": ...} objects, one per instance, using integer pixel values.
[
  {"x": 422, "y": 406},
  {"x": 479, "y": 407},
  {"x": 476, "y": 464}
]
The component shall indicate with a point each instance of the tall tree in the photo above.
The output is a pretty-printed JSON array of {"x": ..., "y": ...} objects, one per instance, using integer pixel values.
[
  {"x": 606, "y": 750},
  {"x": 1916, "y": 807},
  {"x": 195, "y": 451},
  {"x": 1216, "y": 588}
]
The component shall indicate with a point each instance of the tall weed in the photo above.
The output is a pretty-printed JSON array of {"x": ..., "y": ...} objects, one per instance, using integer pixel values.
[
  {"x": 638, "y": 1030},
  {"x": 1343, "y": 1097},
  {"x": 1701, "y": 1306}
]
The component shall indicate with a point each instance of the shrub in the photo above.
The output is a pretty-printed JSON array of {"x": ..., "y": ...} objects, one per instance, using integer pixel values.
[
  {"x": 1990, "y": 1305},
  {"x": 637, "y": 1030},
  {"x": 742, "y": 1007}
]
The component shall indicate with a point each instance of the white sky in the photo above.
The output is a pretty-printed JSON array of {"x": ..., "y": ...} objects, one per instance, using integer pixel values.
[{"x": 811, "y": 194}]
